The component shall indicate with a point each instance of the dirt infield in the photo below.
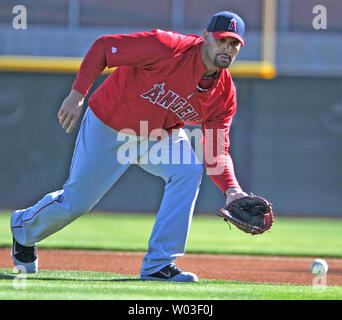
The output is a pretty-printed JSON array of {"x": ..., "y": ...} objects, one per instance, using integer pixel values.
[{"x": 280, "y": 270}]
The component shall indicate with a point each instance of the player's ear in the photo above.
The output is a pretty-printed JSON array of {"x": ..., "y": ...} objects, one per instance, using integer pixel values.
[{"x": 205, "y": 35}]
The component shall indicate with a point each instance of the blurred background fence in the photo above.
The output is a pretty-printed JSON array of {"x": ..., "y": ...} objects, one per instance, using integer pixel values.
[{"x": 286, "y": 136}]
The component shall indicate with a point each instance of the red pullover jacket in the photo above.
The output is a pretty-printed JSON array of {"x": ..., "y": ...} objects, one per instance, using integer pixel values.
[{"x": 156, "y": 81}]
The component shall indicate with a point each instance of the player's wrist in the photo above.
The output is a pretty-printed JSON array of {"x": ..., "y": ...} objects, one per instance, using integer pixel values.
[
  {"x": 232, "y": 190},
  {"x": 234, "y": 194},
  {"x": 74, "y": 94}
]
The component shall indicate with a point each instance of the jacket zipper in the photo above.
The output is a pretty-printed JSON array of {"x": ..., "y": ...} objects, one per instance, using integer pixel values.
[{"x": 191, "y": 94}]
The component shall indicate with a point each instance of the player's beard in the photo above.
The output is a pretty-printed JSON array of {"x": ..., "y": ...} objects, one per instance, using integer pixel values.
[{"x": 222, "y": 64}]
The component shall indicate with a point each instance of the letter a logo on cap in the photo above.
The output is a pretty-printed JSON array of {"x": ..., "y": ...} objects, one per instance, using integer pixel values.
[{"x": 232, "y": 25}]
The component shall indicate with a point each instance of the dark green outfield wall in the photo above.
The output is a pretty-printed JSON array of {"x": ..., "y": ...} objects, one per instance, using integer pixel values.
[{"x": 286, "y": 143}]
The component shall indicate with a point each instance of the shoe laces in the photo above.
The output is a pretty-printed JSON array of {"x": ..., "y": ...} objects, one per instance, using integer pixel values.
[{"x": 174, "y": 269}]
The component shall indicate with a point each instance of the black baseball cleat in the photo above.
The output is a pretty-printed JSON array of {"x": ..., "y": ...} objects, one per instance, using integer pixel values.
[
  {"x": 25, "y": 258},
  {"x": 171, "y": 273}
]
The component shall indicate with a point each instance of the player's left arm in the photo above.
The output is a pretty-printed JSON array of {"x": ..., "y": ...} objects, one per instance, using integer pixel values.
[
  {"x": 218, "y": 161},
  {"x": 216, "y": 129}
]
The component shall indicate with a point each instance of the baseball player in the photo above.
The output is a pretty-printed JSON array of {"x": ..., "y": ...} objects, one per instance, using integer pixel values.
[{"x": 163, "y": 80}]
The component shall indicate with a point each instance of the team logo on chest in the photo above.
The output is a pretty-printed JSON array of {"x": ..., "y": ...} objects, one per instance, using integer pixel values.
[
  {"x": 154, "y": 93},
  {"x": 173, "y": 102}
]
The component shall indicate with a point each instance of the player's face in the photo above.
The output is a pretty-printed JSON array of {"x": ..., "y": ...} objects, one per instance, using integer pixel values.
[{"x": 221, "y": 53}]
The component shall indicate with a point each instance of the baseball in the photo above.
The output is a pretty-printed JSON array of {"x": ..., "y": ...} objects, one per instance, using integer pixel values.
[{"x": 319, "y": 267}]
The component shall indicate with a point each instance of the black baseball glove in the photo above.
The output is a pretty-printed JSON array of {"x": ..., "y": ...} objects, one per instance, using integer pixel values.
[{"x": 251, "y": 214}]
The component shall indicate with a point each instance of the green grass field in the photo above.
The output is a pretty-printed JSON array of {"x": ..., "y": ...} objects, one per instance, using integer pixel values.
[
  {"x": 314, "y": 237},
  {"x": 99, "y": 285}
]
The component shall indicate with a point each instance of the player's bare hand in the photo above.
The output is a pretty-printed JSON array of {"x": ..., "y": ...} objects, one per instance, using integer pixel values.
[
  {"x": 71, "y": 110},
  {"x": 234, "y": 194}
]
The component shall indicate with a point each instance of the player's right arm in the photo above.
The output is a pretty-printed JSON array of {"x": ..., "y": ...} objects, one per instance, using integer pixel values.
[
  {"x": 92, "y": 66},
  {"x": 71, "y": 110},
  {"x": 137, "y": 49}
]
